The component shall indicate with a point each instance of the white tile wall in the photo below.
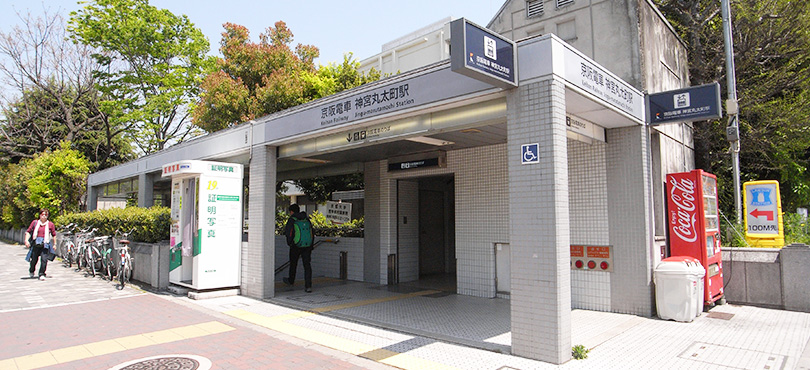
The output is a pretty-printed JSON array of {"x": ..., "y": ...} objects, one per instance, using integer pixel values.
[
  {"x": 587, "y": 185},
  {"x": 482, "y": 217}
]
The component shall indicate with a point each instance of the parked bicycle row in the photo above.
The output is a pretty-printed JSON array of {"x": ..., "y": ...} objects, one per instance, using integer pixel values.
[{"x": 105, "y": 255}]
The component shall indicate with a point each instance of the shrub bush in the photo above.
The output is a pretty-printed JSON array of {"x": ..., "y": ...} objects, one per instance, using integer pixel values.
[
  {"x": 323, "y": 227},
  {"x": 150, "y": 225}
]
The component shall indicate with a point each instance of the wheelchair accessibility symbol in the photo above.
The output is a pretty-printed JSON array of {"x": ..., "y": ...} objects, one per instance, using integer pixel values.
[{"x": 530, "y": 153}]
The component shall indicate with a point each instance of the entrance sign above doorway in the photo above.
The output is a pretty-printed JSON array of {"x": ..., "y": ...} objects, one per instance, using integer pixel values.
[
  {"x": 690, "y": 104},
  {"x": 598, "y": 81},
  {"x": 481, "y": 54}
]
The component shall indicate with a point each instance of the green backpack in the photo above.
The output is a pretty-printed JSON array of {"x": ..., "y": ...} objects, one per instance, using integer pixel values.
[{"x": 303, "y": 233}]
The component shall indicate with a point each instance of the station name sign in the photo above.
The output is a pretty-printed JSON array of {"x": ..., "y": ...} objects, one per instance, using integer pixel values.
[
  {"x": 482, "y": 54},
  {"x": 690, "y": 104}
]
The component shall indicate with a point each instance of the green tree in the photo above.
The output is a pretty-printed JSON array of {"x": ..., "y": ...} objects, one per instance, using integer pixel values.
[
  {"x": 771, "y": 39},
  {"x": 320, "y": 189},
  {"x": 257, "y": 79},
  {"x": 36, "y": 121},
  {"x": 50, "y": 95},
  {"x": 55, "y": 180},
  {"x": 150, "y": 65}
]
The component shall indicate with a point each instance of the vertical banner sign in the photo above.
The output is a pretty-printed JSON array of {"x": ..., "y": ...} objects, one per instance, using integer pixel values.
[
  {"x": 482, "y": 54},
  {"x": 763, "y": 214}
]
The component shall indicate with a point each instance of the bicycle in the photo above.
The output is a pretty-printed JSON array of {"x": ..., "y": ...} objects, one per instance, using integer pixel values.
[
  {"x": 82, "y": 238},
  {"x": 125, "y": 268},
  {"x": 105, "y": 251},
  {"x": 67, "y": 248}
]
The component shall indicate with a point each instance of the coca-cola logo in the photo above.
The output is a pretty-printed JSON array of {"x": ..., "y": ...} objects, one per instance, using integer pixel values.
[{"x": 684, "y": 216}]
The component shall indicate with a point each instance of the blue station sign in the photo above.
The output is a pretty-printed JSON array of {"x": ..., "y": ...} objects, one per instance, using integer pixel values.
[
  {"x": 482, "y": 54},
  {"x": 690, "y": 104}
]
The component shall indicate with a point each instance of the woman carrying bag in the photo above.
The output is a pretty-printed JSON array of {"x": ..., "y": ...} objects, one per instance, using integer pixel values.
[{"x": 41, "y": 233}]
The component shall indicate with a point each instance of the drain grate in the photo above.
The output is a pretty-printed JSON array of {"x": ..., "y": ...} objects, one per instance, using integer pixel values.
[{"x": 173, "y": 362}]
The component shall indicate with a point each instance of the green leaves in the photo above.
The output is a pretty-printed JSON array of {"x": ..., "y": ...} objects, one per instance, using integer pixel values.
[
  {"x": 256, "y": 79},
  {"x": 55, "y": 180},
  {"x": 771, "y": 39},
  {"x": 152, "y": 63}
]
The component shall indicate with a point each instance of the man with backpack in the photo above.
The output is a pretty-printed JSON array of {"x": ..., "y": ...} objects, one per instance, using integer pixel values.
[{"x": 300, "y": 238}]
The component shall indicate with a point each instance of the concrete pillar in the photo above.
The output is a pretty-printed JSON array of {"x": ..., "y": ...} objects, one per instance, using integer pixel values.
[
  {"x": 371, "y": 241},
  {"x": 259, "y": 258},
  {"x": 539, "y": 223},
  {"x": 92, "y": 197},
  {"x": 630, "y": 225},
  {"x": 795, "y": 259},
  {"x": 146, "y": 187}
]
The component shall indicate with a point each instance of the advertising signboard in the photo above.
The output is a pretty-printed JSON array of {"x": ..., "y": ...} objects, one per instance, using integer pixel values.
[
  {"x": 690, "y": 104},
  {"x": 763, "y": 214},
  {"x": 482, "y": 54}
]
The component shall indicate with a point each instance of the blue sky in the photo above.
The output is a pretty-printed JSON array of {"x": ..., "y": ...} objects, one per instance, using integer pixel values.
[{"x": 335, "y": 27}]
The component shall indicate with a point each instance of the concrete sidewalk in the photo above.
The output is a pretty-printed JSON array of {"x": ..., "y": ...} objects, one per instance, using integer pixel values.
[
  {"x": 71, "y": 321},
  {"x": 430, "y": 329}
]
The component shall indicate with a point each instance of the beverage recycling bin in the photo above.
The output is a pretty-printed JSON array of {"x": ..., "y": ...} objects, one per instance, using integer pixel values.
[{"x": 679, "y": 288}]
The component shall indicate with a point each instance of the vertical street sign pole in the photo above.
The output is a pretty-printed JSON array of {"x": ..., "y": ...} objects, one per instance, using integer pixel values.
[{"x": 733, "y": 129}]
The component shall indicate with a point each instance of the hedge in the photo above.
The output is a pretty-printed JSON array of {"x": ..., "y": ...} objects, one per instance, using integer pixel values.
[{"x": 150, "y": 225}]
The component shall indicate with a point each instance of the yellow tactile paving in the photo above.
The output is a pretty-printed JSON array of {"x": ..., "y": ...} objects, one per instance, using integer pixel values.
[
  {"x": 135, "y": 341},
  {"x": 373, "y": 301},
  {"x": 163, "y": 336},
  {"x": 35, "y": 361},
  {"x": 68, "y": 354},
  {"x": 71, "y": 354},
  {"x": 279, "y": 324},
  {"x": 8, "y": 364},
  {"x": 104, "y": 347}
]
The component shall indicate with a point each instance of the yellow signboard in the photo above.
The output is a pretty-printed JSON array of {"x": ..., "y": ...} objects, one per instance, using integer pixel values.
[{"x": 763, "y": 214}]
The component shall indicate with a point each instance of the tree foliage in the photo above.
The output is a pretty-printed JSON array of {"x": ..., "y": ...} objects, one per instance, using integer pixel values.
[
  {"x": 50, "y": 94},
  {"x": 55, "y": 180},
  {"x": 771, "y": 39},
  {"x": 150, "y": 65},
  {"x": 256, "y": 79},
  {"x": 319, "y": 189}
]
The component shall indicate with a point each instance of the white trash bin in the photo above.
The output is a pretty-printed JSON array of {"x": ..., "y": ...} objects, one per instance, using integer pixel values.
[{"x": 679, "y": 288}]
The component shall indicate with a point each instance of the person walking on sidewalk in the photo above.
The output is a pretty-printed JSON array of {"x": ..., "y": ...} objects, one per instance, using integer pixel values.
[
  {"x": 298, "y": 231},
  {"x": 41, "y": 232}
]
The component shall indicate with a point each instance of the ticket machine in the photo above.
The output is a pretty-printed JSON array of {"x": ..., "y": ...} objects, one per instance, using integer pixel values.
[{"x": 206, "y": 229}]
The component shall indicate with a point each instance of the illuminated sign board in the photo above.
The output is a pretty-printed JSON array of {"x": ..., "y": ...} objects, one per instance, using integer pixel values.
[
  {"x": 690, "y": 104},
  {"x": 482, "y": 54}
]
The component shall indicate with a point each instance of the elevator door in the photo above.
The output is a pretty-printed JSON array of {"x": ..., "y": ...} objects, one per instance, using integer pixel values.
[{"x": 432, "y": 243}]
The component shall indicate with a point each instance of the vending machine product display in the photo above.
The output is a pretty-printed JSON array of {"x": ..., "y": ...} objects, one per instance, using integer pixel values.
[
  {"x": 694, "y": 225},
  {"x": 206, "y": 230}
]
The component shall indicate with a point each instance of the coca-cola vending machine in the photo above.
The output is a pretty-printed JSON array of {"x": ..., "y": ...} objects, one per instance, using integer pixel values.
[{"x": 694, "y": 225}]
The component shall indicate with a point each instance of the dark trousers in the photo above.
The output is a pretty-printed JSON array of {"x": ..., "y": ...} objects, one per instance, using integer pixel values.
[
  {"x": 306, "y": 256},
  {"x": 39, "y": 252}
]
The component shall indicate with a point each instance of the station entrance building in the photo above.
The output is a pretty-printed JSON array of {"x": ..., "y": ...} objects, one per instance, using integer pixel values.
[{"x": 500, "y": 188}]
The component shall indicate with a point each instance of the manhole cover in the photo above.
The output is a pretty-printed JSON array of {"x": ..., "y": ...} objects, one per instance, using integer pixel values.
[{"x": 167, "y": 362}]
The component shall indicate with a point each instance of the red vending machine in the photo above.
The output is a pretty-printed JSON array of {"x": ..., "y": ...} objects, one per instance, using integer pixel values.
[{"x": 694, "y": 226}]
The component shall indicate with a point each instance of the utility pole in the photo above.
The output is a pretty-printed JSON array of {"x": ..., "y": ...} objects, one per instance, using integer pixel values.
[{"x": 732, "y": 109}]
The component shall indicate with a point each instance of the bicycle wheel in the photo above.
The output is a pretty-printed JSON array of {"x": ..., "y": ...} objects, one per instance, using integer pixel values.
[
  {"x": 79, "y": 259},
  {"x": 91, "y": 263},
  {"x": 121, "y": 273},
  {"x": 70, "y": 253},
  {"x": 105, "y": 263}
]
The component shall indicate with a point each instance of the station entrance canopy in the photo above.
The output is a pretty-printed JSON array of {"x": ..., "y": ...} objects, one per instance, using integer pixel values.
[{"x": 432, "y": 102}]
